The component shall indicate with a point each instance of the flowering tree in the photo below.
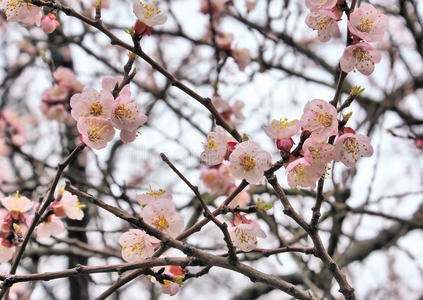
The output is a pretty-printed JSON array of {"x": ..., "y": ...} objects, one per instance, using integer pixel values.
[{"x": 281, "y": 194}]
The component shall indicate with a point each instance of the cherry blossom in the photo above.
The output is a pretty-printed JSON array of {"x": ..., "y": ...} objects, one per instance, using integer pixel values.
[
  {"x": 148, "y": 13},
  {"x": 312, "y": 4},
  {"x": 215, "y": 147},
  {"x": 319, "y": 117},
  {"x": 71, "y": 206},
  {"x": 242, "y": 58},
  {"x": 126, "y": 115},
  {"x": 163, "y": 215},
  {"x": 282, "y": 129},
  {"x": 6, "y": 252},
  {"x": 168, "y": 286},
  {"x": 325, "y": 22},
  {"x": 10, "y": 122},
  {"x": 350, "y": 147},
  {"x": 302, "y": 173},
  {"x": 49, "y": 23},
  {"x": 56, "y": 112},
  {"x": 362, "y": 56},
  {"x": 96, "y": 132},
  {"x": 244, "y": 236},
  {"x": 109, "y": 83},
  {"x": 66, "y": 78},
  {"x": 241, "y": 200},
  {"x": 18, "y": 11},
  {"x": 137, "y": 245},
  {"x": 17, "y": 205},
  {"x": 153, "y": 196},
  {"x": 53, "y": 226},
  {"x": 55, "y": 93},
  {"x": 368, "y": 23},
  {"x": 318, "y": 153},
  {"x": 249, "y": 162},
  {"x": 217, "y": 180},
  {"x": 91, "y": 103}
]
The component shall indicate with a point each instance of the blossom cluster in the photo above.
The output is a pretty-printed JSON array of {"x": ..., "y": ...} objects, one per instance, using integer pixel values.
[
  {"x": 99, "y": 113},
  {"x": 366, "y": 24},
  {"x": 55, "y": 100},
  {"x": 12, "y": 131},
  {"x": 15, "y": 217},
  {"x": 29, "y": 14},
  {"x": 159, "y": 211},
  {"x": 319, "y": 122}
]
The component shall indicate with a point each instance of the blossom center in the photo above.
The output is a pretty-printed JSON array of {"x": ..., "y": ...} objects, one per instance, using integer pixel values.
[
  {"x": 96, "y": 109},
  {"x": 247, "y": 162},
  {"x": 161, "y": 223}
]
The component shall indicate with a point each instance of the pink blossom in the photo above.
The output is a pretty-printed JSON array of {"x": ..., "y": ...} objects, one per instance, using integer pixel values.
[
  {"x": 72, "y": 206},
  {"x": 163, "y": 215},
  {"x": 325, "y": 22},
  {"x": 91, "y": 103},
  {"x": 350, "y": 147},
  {"x": 96, "y": 132},
  {"x": 242, "y": 58},
  {"x": 244, "y": 236},
  {"x": 55, "y": 93},
  {"x": 168, "y": 286},
  {"x": 10, "y": 121},
  {"x": 362, "y": 56},
  {"x": 241, "y": 200},
  {"x": 419, "y": 144},
  {"x": 17, "y": 203},
  {"x": 319, "y": 117},
  {"x": 137, "y": 245},
  {"x": 215, "y": 147},
  {"x": 66, "y": 78},
  {"x": 249, "y": 162},
  {"x": 109, "y": 84},
  {"x": 285, "y": 145},
  {"x": 312, "y": 4},
  {"x": 148, "y": 13},
  {"x": 368, "y": 23},
  {"x": 126, "y": 114},
  {"x": 318, "y": 153},
  {"x": 6, "y": 252},
  {"x": 18, "y": 11},
  {"x": 104, "y": 3},
  {"x": 217, "y": 180},
  {"x": 56, "y": 112},
  {"x": 282, "y": 129},
  {"x": 153, "y": 196},
  {"x": 49, "y": 23},
  {"x": 302, "y": 173},
  {"x": 53, "y": 226}
]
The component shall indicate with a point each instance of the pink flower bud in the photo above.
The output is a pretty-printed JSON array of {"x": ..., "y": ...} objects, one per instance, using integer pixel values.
[
  {"x": 285, "y": 144},
  {"x": 419, "y": 144},
  {"x": 49, "y": 23},
  {"x": 58, "y": 209}
]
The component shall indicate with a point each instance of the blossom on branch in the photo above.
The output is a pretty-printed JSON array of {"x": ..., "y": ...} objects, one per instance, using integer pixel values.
[
  {"x": 53, "y": 226},
  {"x": 249, "y": 162},
  {"x": 244, "y": 233},
  {"x": 153, "y": 196},
  {"x": 49, "y": 23},
  {"x": 312, "y": 4},
  {"x": 215, "y": 147},
  {"x": 320, "y": 118},
  {"x": 282, "y": 129},
  {"x": 148, "y": 15},
  {"x": 303, "y": 173},
  {"x": 96, "y": 132},
  {"x": 137, "y": 245},
  {"x": 318, "y": 153},
  {"x": 362, "y": 56},
  {"x": 19, "y": 11},
  {"x": 350, "y": 147},
  {"x": 91, "y": 103},
  {"x": 325, "y": 22},
  {"x": 368, "y": 23}
]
